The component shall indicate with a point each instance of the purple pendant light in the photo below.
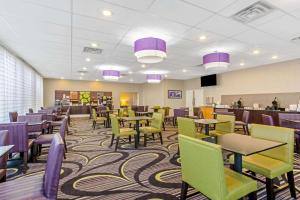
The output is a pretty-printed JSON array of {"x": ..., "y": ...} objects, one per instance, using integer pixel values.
[
  {"x": 217, "y": 60},
  {"x": 111, "y": 74},
  {"x": 153, "y": 78},
  {"x": 150, "y": 50}
]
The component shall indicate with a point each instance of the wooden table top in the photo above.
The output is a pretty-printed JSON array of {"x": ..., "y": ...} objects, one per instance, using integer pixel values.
[
  {"x": 244, "y": 144},
  {"x": 5, "y": 149},
  {"x": 208, "y": 121},
  {"x": 136, "y": 118}
]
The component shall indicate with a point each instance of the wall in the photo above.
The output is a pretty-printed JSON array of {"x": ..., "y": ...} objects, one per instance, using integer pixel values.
[
  {"x": 274, "y": 78},
  {"x": 50, "y": 85}
]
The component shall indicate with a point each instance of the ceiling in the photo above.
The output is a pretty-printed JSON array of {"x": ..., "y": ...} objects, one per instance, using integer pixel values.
[{"x": 51, "y": 34}]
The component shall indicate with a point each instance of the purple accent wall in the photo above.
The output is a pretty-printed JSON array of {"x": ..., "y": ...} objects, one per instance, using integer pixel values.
[
  {"x": 150, "y": 44},
  {"x": 216, "y": 57}
]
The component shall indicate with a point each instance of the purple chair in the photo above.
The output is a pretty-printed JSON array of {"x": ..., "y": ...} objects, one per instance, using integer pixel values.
[
  {"x": 30, "y": 110},
  {"x": 48, "y": 111},
  {"x": 244, "y": 122},
  {"x": 267, "y": 120},
  {"x": 41, "y": 186},
  {"x": 47, "y": 138},
  {"x": 18, "y": 136},
  {"x": 284, "y": 122},
  {"x": 36, "y": 125},
  {"x": 181, "y": 112},
  {"x": 3, "y": 159},
  {"x": 13, "y": 116}
]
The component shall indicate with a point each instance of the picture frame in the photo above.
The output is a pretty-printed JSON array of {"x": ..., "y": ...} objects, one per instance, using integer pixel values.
[{"x": 174, "y": 94}]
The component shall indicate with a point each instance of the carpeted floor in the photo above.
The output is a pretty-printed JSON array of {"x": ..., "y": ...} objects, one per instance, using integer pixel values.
[{"x": 93, "y": 170}]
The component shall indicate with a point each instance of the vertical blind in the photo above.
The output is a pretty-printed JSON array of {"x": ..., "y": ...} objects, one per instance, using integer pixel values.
[{"x": 21, "y": 87}]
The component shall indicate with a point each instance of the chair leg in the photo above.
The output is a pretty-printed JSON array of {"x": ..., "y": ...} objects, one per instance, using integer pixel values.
[
  {"x": 136, "y": 141},
  {"x": 25, "y": 159},
  {"x": 94, "y": 125},
  {"x": 164, "y": 128},
  {"x": 247, "y": 129},
  {"x": 3, "y": 179},
  {"x": 153, "y": 137},
  {"x": 252, "y": 196},
  {"x": 291, "y": 181},
  {"x": 65, "y": 144},
  {"x": 160, "y": 136},
  {"x": 112, "y": 139},
  {"x": 270, "y": 189},
  {"x": 117, "y": 143},
  {"x": 184, "y": 189},
  {"x": 129, "y": 138},
  {"x": 244, "y": 129},
  {"x": 145, "y": 140}
]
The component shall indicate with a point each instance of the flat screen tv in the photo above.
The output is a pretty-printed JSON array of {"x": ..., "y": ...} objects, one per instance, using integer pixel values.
[{"x": 209, "y": 80}]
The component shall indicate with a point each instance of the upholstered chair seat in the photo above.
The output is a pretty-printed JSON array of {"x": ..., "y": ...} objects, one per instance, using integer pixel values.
[
  {"x": 224, "y": 127},
  {"x": 154, "y": 128}
]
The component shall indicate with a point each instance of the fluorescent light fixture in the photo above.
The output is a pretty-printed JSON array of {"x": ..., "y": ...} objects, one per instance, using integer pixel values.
[
  {"x": 256, "y": 51},
  {"x": 84, "y": 68},
  {"x": 274, "y": 57},
  {"x": 62, "y": 78},
  {"x": 242, "y": 64},
  {"x": 87, "y": 59},
  {"x": 94, "y": 45},
  {"x": 184, "y": 70},
  {"x": 143, "y": 66},
  {"x": 202, "y": 37},
  {"x": 107, "y": 13}
]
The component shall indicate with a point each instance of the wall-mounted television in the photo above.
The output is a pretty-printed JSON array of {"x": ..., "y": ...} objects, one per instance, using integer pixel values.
[{"x": 209, "y": 80}]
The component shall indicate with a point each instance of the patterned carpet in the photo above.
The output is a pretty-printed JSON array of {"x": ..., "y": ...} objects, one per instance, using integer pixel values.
[{"x": 93, "y": 170}]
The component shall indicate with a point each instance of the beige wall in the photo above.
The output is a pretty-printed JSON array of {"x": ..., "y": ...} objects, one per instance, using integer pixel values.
[{"x": 148, "y": 94}]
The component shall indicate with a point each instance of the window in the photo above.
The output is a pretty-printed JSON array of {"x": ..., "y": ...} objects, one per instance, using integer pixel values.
[{"x": 21, "y": 87}]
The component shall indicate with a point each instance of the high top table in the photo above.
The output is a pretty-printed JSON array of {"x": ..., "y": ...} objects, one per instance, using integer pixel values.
[
  {"x": 137, "y": 120},
  {"x": 207, "y": 122},
  {"x": 244, "y": 145}
]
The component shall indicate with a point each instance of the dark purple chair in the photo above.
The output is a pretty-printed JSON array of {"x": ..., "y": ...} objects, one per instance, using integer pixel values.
[
  {"x": 284, "y": 122},
  {"x": 13, "y": 116},
  {"x": 41, "y": 186},
  {"x": 36, "y": 125},
  {"x": 267, "y": 120},
  {"x": 3, "y": 159},
  {"x": 244, "y": 122},
  {"x": 48, "y": 111},
  {"x": 18, "y": 136},
  {"x": 30, "y": 110},
  {"x": 47, "y": 138},
  {"x": 181, "y": 112}
]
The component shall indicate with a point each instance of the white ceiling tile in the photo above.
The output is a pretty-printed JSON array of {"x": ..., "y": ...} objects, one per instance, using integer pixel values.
[
  {"x": 285, "y": 5},
  {"x": 212, "y": 5},
  {"x": 134, "y": 4},
  {"x": 236, "y": 7}
]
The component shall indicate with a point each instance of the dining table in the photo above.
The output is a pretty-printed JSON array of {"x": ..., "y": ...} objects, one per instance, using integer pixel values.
[
  {"x": 145, "y": 113},
  {"x": 137, "y": 120},
  {"x": 5, "y": 149},
  {"x": 244, "y": 145},
  {"x": 106, "y": 113},
  {"x": 208, "y": 122}
]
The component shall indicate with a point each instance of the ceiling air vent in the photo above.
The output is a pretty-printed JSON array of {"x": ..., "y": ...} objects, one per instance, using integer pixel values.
[
  {"x": 253, "y": 12},
  {"x": 296, "y": 40},
  {"x": 92, "y": 50}
]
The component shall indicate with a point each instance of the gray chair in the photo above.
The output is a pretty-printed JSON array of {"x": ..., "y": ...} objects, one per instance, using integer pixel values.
[{"x": 3, "y": 159}]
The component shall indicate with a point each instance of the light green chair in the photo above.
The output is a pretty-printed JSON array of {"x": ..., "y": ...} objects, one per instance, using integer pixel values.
[
  {"x": 226, "y": 127},
  {"x": 131, "y": 113},
  {"x": 154, "y": 128},
  {"x": 187, "y": 126},
  {"x": 121, "y": 132},
  {"x": 96, "y": 119},
  {"x": 275, "y": 162},
  {"x": 163, "y": 112},
  {"x": 206, "y": 172}
]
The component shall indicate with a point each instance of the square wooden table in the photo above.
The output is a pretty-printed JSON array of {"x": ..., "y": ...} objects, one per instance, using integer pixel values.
[
  {"x": 146, "y": 113},
  {"x": 137, "y": 120},
  {"x": 244, "y": 145},
  {"x": 207, "y": 122},
  {"x": 5, "y": 149}
]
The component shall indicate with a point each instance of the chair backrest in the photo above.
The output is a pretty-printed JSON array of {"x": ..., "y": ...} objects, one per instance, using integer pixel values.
[
  {"x": 224, "y": 113},
  {"x": 48, "y": 111},
  {"x": 115, "y": 126},
  {"x": 146, "y": 108},
  {"x": 284, "y": 117},
  {"x": 246, "y": 116},
  {"x": 3, "y": 142},
  {"x": 30, "y": 118},
  {"x": 63, "y": 127},
  {"x": 30, "y": 110},
  {"x": 17, "y": 135},
  {"x": 140, "y": 109},
  {"x": 13, "y": 116},
  {"x": 205, "y": 171},
  {"x": 226, "y": 126},
  {"x": 94, "y": 114},
  {"x": 53, "y": 167},
  {"x": 157, "y": 120},
  {"x": 179, "y": 113},
  {"x": 267, "y": 120},
  {"x": 279, "y": 134},
  {"x": 186, "y": 127},
  {"x": 131, "y": 113},
  {"x": 44, "y": 115},
  {"x": 162, "y": 111}
]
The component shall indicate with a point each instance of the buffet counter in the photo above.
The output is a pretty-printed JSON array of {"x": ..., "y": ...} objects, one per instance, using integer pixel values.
[{"x": 78, "y": 109}]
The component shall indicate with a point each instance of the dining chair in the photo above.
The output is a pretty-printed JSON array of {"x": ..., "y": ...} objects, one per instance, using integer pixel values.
[
  {"x": 13, "y": 116},
  {"x": 244, "y": 122},
  {"x": 40, "y": 185},
  {"x": 33, "y": 130},
  {"x": 154, "y": 128},
  {"x": 224, "y": 127},
  {"x": 267, "y": 120},
  {"x": 275, "y": 162},
  {"x": 131, "y": 113},
  {"x": 97, "y": 120},
  {"x": 187, "y": 127},
  {"x": 163, "y": 112},
  {"x": 47, "y": 138},
  {"x": 206, "y": 172},
  {"x": 18, "y": 136},
  {"x": 30, "y": 110},
  {"x": 121, "y": 133},
  {"x": 3, "y": 159},
  {"x": 178, "y": 113}
]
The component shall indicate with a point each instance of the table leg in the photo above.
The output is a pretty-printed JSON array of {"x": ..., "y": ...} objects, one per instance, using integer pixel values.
[
  {"x": 137, "y": 128},
  {"x": 107, "y": 121},
  {"x": 238, "y": 162},
  {"x": 206, "y": 126}
]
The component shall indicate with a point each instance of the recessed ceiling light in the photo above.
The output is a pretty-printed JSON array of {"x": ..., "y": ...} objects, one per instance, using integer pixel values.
[
  {"x": 80, "y": 78},
  {"x": 62, "y": 78},
  {"x": 87, "y": 59},
  {"x": 97, "y": 79},
  {"x": 202, "y": 37},
  {"x": 256, "y": 51},
  {"x": 81, "y": 74},
  {"x": 274, "y": 57},
  {"x": 166, "y": 75},
  {"x": 143, "y": 66},
  {"x": 130, "y": 72},
  {"x": 107, "y": 13},
  {"x": 242, "y": 64},
  {"x": 94, "y": 45},
  {"x": 184, "y": 70},
  {"x": 84, "y": 68},
  {"x": 131, "y": 80}
]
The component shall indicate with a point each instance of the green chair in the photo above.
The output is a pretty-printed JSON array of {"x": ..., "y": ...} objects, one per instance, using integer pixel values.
[
  {"x": 96, "y": 119},
  {"x": 275, "y": 162},
  {"x": 206, "y": 172},
  {"x": 121, "y": 132},
  {"x": 187, "y": 127},
  {"x": 224, "y": 127},
  {"x": 162, "y": 111},
  {"x": 131, "y": 113},
  {"x": 154, "y": 128}
]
